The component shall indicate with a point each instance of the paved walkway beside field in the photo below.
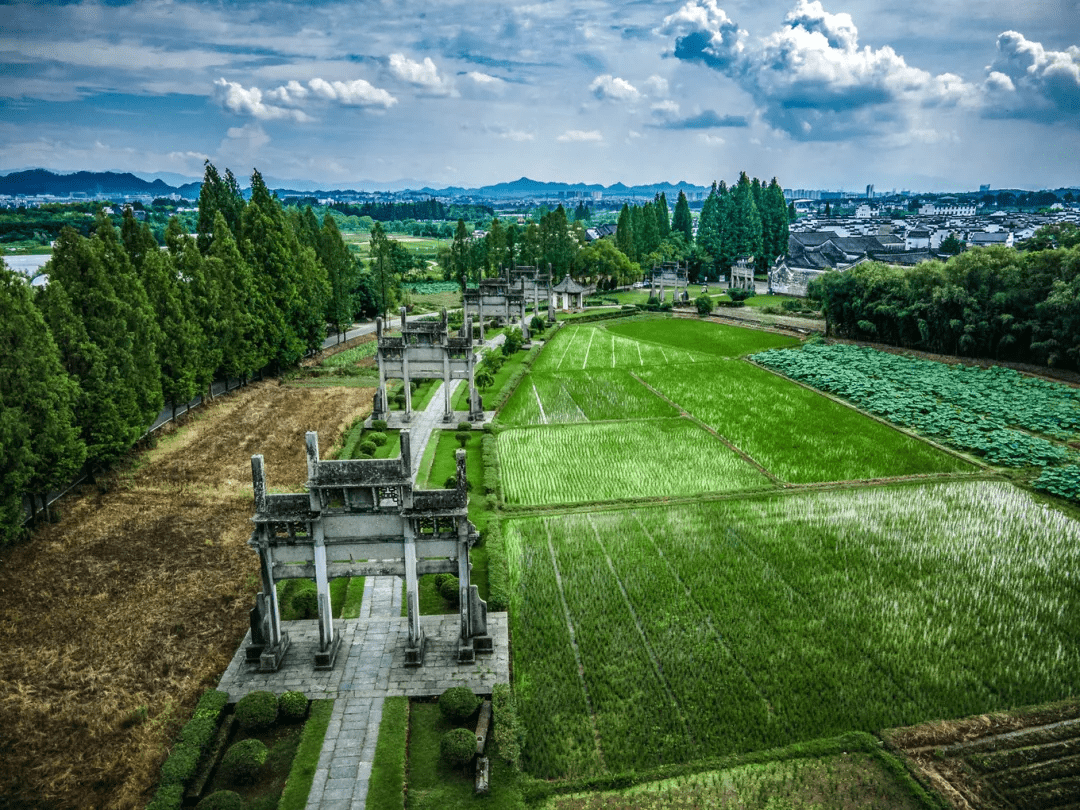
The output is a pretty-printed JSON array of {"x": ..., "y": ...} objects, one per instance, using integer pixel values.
[{"x": 371, "y": 662}]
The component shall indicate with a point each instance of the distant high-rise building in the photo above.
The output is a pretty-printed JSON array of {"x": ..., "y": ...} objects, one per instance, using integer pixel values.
[
  {"x": 870, "y": 192},
  {"x": 983, "y": 189}
]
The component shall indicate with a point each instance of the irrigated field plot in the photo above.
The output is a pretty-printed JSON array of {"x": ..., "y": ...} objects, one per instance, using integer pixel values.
[
  {"x": 669, "y": 634},
  {"x": 615, "y": 460},
  {"x": 701, "y": 336},
  {"x": 584, "y": 396},
  {"x": 796, "y": 434},
  {"x": 579, "y": 347}
]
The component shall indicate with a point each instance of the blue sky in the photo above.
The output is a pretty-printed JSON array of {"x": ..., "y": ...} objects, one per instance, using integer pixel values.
[{"x": 924, "y": 95}]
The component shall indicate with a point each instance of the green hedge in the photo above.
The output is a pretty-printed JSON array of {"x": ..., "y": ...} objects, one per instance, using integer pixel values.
[
  {"x": 302, "y": 773},
  {"x": 498, "y": 569},
  {"x": 183, "y": 760},
  {"x": 508, "y": 733},
  {"x": 514, "y": 379},
  {"x": 490, "y": 456}
]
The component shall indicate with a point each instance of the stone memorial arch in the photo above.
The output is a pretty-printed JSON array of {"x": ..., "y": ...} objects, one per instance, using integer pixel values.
[
  {"x": 426, "y": 350},
  {"x": 742, "y": 273},
  {"x": 669, "y": 274},
  {"x": 361, "y": 518},
  {"x": 532, "y": 283},
  {"x": 496, "y": 297}
]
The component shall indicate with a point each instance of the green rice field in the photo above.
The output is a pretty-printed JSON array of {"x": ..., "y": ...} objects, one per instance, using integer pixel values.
[
  {"x": 579, "y": 463},
  {"x": 668, "y": 634},
  {"x": 586, "y": 396},
  {"x": 701, "y": 336}
]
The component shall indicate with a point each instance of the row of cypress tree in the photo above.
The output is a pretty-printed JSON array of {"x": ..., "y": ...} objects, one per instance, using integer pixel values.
[
  {"x": 748, "y": 219},
  {"x": 125, "y": 326}
]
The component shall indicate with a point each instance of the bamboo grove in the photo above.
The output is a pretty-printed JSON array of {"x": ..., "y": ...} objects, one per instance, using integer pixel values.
[
  {"x": 993, "y": 302},
  {"x": 126, "y": 326}
]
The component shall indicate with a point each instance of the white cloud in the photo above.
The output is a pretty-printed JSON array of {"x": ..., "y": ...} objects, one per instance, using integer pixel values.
[
  {"x": 810, "y": 76},
  {"x": 580, "y": 136},
  {"x": 355, "y": 93},
  {"x": 420, "y": 74},
  {"x": 252, "y": 135},
  {"x": 1028, "y": 81},
  {"x": 667, "y": 107},
  {"x": 238, "y": 99},
  {"x": 291, "y": 94},
  {"x": 517, "y": 135},
  {"x": 658, "y": 85},
  {"x": 614, "y": 88},
  {"x": 711, "y": 140}
]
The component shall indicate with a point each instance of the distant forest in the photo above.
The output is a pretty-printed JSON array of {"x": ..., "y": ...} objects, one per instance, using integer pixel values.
[{"x": 423, "y": 210}]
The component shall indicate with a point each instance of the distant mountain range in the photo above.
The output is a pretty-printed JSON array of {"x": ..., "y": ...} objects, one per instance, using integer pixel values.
[
  {"x": 31, "y": 182},
  {"x": 42, "y": 181}
]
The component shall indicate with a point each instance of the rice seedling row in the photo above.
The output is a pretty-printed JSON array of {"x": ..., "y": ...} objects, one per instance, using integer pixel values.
[
  {"x": 696, "y": 336},
  {"x": 731, "y": 626},
  {"x": 973, "y": 409},
  {"x": 582, "y": 396},
  {"x": 585, "y": 346},
  {"x": 617, "y": 460},
  {"x": 798, "y": 435}
]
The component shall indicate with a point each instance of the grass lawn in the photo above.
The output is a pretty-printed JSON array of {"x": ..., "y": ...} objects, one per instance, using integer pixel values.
[
  {"x": 460, "y": 400},
  {"x": 434, "y": 784}
]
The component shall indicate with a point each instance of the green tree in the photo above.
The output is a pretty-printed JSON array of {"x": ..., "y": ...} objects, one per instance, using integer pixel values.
[
  {"x": 602, "y": 259},
  {"x": 496, "y": 246},
  {"x": 710, "y": 237},
  {"x": 951, "y": 245},
  {"x": 235, "y": 315},
  {"x": 743, "y": 236},
  {"x": 683, "y": 222},
  {"x": 218, "y": 194},
  {"x": 40, "y": 447},
  {"x": 663, "y": 216},
  {"x": 340, "y": 267},
  {"x": 774, "y": 224},
  {"x": 101, "y": 325},
  {"x": 529, "y": 252},
  {"x": 382, "y": 269},
  {"x": 558, "y": 246},
  {"x": 624, "y": 232},
  {"x": 459, "y": 255}
]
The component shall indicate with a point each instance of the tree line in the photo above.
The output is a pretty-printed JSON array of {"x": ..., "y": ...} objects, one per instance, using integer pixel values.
[
  {"x": 125, "y": 326},
  {"x": 995, "y": 302},
  {"x": 429, "y": 209}
]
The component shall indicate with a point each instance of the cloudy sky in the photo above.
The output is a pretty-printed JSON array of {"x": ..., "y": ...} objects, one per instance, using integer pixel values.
[{"x": 921, "y": 95}]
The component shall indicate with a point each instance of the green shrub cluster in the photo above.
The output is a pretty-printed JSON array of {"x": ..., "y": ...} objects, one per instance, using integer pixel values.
[
  {"x": 508, "y": 733},
  {"x": 222, "y": 800},
  {"x": 458, "y": 703},
  {"x": 378, "y": 424},
  {"x": 184, "y": 758},
  {"x": 458, "y": 747},
  {"x": 293, "y": 705},
  {"x": 242, "y": 761},
  {"x": 449, "y": 589},
  {"x": 490, "y": 457},
  {"x": 257, "y": 710}
]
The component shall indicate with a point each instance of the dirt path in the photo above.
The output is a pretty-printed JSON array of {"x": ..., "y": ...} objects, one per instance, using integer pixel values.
[{"x": 113, "y": 620}]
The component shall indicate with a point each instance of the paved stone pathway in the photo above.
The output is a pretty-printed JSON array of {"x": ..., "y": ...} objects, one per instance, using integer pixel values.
[{"x": 371, "y": 663}]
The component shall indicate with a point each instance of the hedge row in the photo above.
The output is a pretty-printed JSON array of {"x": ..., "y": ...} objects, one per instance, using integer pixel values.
[
  {"x": 512, "y": 381},
  {"x": 490, "y": 456},
  {"x": 509, "y": 733},
  {"x": 183, "y": 760},
  {"x": 498, "y": 569}
]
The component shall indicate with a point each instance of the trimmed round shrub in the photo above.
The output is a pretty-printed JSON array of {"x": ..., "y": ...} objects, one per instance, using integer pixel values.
[
  {"x": 462, "y": 437},
  {"x": 464, "y": 425},
  {"x": 257, "y": 710},
  {"x": 243, "y": 760},
  {"x": 222, "y": 800},
  {"x": 458, "y": 747},
  {"x": 306, "y": 604},
  {"x": 293, "y": 705},
  {"x": 439, "y": 580},
  {"x": 367, "y": 446},
  {"x": 449, "y": 590},
  {"x": 450, "y": 482},
  {"x": 378, "y": 424},
  {"x": 363, "y": 455},
  {"x": 457, "y": 705},
  {"x": 377, "y": 439}
]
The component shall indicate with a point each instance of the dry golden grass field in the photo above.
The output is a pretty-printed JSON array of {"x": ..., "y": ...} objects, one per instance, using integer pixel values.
[{"x": 114, "y": 620}]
